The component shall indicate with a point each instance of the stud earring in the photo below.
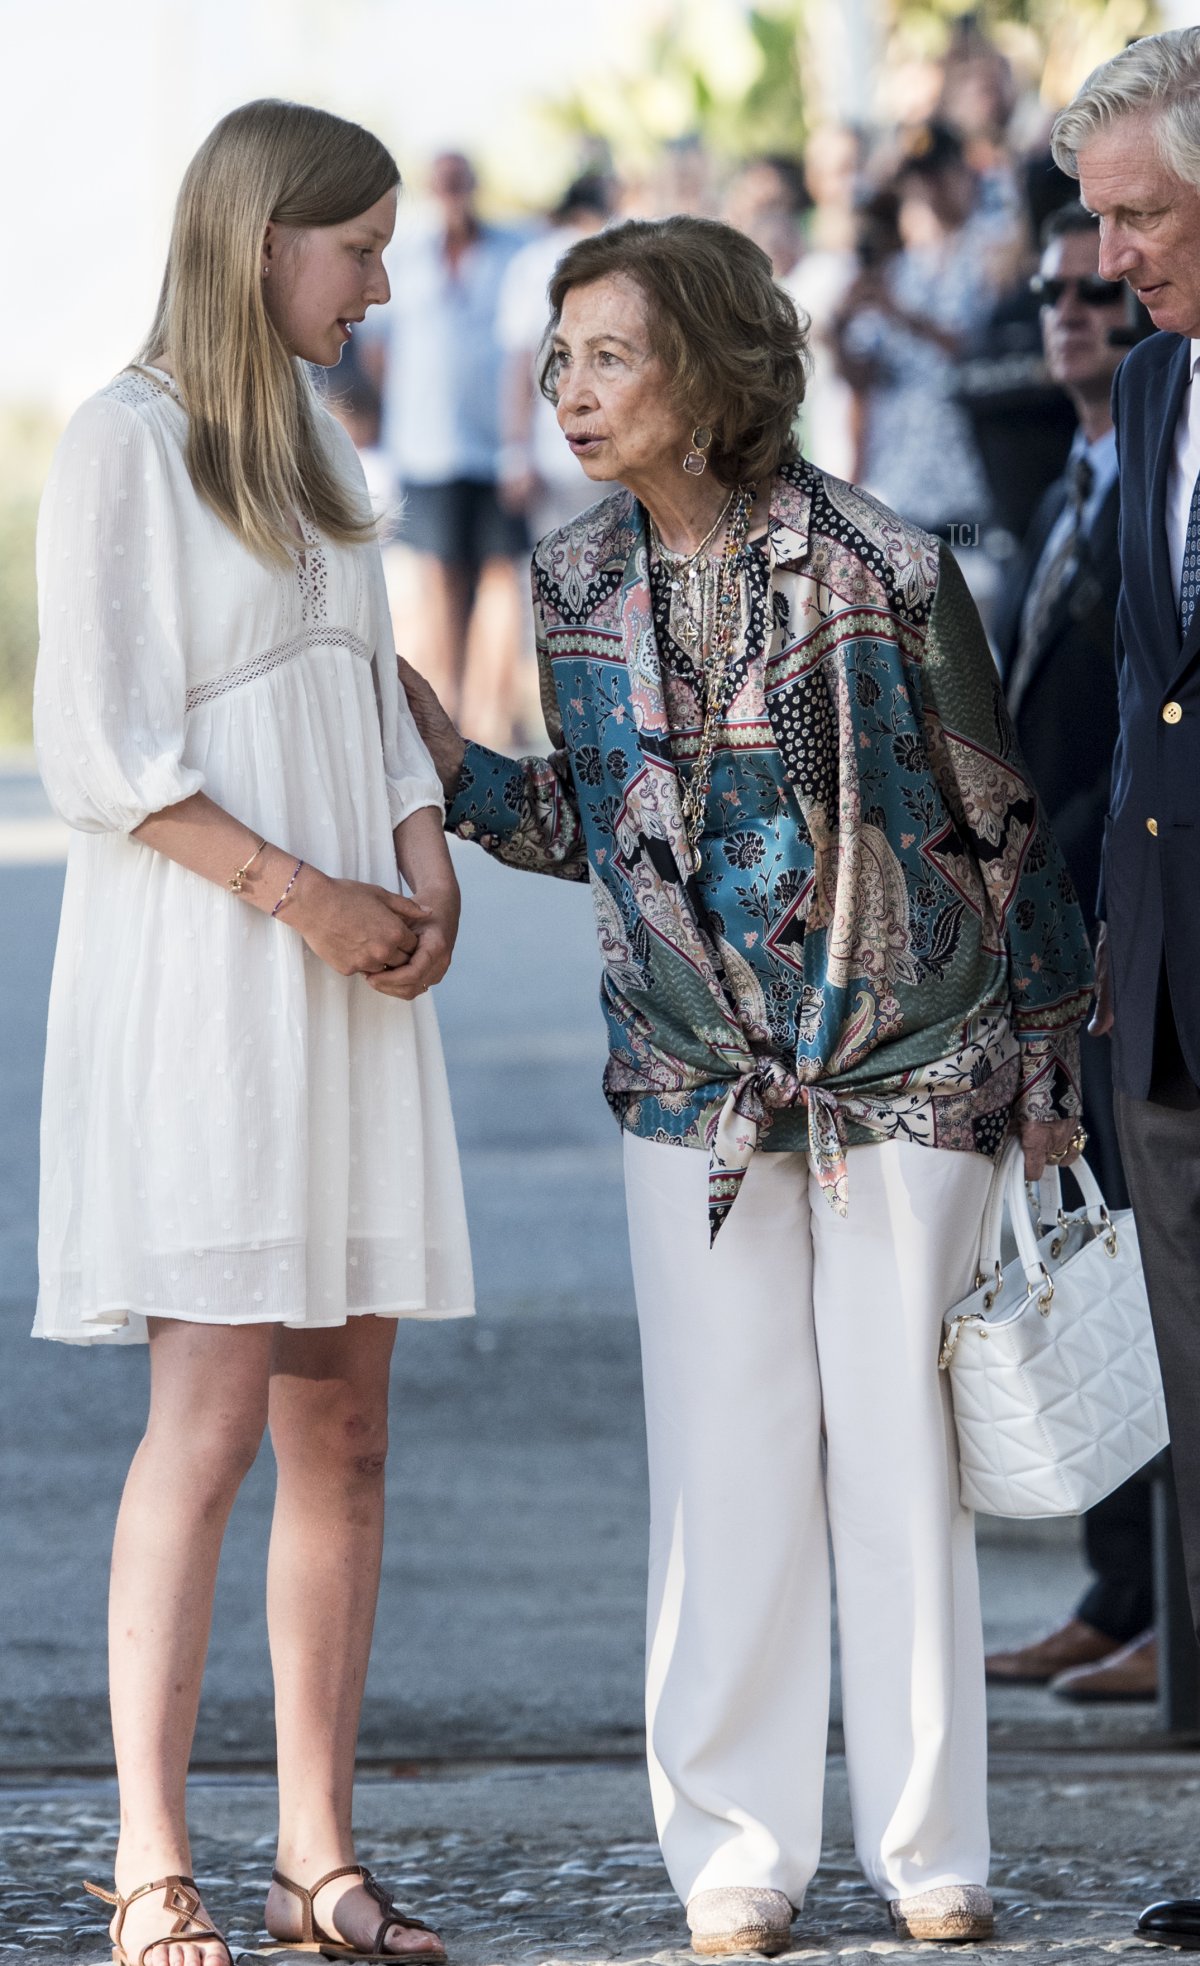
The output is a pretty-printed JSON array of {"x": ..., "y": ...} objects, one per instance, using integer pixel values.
[
  {"x": 695, "y": 463},
  {"x": 266, "y": 270}
]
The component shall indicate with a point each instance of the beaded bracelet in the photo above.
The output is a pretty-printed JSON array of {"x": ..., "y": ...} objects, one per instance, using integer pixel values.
[
  {"x": 287, "y": 890},
  {"x": 236, "y": 881}
]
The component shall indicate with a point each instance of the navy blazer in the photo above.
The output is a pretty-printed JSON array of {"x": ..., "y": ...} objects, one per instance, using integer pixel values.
[
  {"x": 1151, "y": 878},
  {"x": 1065, "y": 714}
]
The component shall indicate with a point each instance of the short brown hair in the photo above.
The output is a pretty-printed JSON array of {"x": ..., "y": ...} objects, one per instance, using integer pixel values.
[{"x": 734, "y": 343}]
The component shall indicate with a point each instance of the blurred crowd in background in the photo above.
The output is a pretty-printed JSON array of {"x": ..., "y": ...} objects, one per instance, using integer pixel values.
[{"x": 917, "y": 254}]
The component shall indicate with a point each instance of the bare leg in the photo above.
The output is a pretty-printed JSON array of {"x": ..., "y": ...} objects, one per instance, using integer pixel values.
[
  {"x": 493, "y": 654},
  {"x": 436, "y": 638},
  {"x": 328, "y": 1418},
  {"x": 208, "y": 1406}
]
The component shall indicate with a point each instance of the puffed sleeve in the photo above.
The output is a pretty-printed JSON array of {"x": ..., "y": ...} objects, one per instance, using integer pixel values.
[
  {"x": 412, "y": 779},
  {"x": 525, "y": 811},
  {"x": 110, "y": 685}
]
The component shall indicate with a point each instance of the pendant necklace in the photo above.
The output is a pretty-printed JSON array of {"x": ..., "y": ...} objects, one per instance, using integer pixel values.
[
  {"x": 684, "y": 565},
  {"x": 715, "y": 652}
]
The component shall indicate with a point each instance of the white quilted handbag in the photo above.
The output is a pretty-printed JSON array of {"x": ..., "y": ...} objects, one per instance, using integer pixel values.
[{"x": 1053, "y": 1372}]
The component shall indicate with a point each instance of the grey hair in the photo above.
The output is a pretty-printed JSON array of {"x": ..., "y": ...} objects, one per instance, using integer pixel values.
[{"x": 1159, "y": 74}]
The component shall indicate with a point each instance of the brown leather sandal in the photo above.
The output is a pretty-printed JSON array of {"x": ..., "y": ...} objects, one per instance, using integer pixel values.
[
  {"x": 182, "y": 1898},
  {"x": 316, "y": 1940}
]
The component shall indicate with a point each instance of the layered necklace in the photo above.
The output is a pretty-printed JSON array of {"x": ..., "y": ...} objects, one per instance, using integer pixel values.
[{"x": 716, "y": 627}]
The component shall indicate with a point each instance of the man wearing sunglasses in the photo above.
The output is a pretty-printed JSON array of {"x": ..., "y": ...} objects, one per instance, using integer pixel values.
[
  {"x": 1132, "y": 138},
  {"x": 1053, "y": 635}
]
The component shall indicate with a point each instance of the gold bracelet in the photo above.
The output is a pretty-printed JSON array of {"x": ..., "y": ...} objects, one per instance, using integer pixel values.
[{"x": 237, "y": 881}]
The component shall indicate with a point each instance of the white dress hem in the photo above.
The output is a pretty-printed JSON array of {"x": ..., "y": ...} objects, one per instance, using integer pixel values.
[{"x": 104, "y": 1327}]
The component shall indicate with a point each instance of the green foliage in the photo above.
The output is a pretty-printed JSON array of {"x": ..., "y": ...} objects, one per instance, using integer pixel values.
[
  {"x": 731, "y": 74},
  {"x": 702, "y": 68},
  {"x": 774, "y": 105},
  {"x": 26, "y": 443}
]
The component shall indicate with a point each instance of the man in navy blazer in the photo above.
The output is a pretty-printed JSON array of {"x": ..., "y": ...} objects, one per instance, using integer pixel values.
[
  {"x": 1052, "y": 631},
  {"x": 1132, "y": 137}
]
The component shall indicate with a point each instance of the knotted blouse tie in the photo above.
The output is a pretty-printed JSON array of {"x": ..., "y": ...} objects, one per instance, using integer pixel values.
[{"x": 766, "y": 1087}]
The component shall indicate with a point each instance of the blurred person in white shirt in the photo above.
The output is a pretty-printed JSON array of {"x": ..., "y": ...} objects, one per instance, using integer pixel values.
[
  {"x": 819, "y": 281},
  {"x": 540, "y": 482},
  {"x": 437, "y": 358},
  {"x": 539, "y": 476}
]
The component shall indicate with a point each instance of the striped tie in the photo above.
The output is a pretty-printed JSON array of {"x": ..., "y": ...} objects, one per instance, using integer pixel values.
[
  {"x": 1050, "y": 579},
  {"x": 1189, "y": 578}
]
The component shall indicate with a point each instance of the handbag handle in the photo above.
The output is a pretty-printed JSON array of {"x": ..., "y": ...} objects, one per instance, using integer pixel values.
[
  {"x": 1020, "y": 1215},
  {"x": 1050, "y": 1189},
  {"x": 1012, "y": 1159},
  {"x": 1009, "y": 1188}
]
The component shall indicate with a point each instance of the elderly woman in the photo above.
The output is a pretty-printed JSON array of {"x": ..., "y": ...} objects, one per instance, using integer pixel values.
[{"x": 842, "y": 961}]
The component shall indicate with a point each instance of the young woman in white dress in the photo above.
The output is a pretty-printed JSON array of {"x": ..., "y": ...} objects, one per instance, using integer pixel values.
[{"x": 248, "y": 1154}]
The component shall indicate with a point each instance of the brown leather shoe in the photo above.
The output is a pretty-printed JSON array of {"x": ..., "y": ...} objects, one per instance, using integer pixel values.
[
  {"x": 1073, "y": 1644},
  {"x": 1130, "y": 1674}
]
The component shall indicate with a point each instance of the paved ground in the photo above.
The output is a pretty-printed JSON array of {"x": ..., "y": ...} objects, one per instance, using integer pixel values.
[
  {"x": 510, "y": 1626},
  {"x": 556, "y": 1864}
]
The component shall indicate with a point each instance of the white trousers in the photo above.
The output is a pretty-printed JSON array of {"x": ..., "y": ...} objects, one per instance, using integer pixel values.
[{"x": 793, "y": 1402}]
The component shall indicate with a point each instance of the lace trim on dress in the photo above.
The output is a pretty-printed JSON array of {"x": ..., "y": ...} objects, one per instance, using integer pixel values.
[
  {"x": 312, "y": 572},
  {"x": 316, "y": 636},
  {"x": 135, "y": 386}
]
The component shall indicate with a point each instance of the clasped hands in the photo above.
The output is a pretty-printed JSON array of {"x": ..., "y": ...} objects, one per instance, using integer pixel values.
[{"x": 399, "y": 945}]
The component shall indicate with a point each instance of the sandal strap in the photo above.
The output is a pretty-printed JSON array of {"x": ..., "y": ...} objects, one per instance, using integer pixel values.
[
  {"x": 183, "y": 1886},
  {"x": 314, "y": 1933},
  {"x": 181, "y": 1896},
  {"x": 189, "y": 1938},
  {"x": 306, "y": 1893},
  {"x": 393, "y": 1914}
]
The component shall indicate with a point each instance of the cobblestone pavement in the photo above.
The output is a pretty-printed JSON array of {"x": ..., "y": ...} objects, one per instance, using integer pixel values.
[{"x": 549, "y": 1864}]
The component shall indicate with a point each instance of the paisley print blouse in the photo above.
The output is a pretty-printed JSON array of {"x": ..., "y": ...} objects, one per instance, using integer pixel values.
[{"x": 882, "y": 941}]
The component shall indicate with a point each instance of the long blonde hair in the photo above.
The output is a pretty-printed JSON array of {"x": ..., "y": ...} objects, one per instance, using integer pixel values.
[{"x": 254, "y": 449}]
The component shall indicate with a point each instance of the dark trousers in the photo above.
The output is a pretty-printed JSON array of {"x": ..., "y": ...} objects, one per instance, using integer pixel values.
[
  {"x": 1103, "y": 1150},
  {"x": 1118, "y": 1537},
  {"x": 1118, "y": 1542},
  {"x": 1160, "y": 1146}
]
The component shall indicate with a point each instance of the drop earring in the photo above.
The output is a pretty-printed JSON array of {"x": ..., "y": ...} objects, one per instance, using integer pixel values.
[{"x": 695, "y": 463}]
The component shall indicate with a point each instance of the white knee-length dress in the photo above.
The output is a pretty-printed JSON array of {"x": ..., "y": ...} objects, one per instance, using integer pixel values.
[{"x": 231, "y": 1132}]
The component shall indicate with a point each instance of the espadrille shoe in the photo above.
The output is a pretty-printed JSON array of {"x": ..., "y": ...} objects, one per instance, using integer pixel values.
[
  {"x": 953, "y": 1913},
  {"x": 737, "y": 1918}
]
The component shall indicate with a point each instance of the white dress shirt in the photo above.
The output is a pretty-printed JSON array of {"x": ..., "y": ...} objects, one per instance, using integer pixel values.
[
  {"x": 441, "y": 408},
  {"x": 521, "y": 322},
  {"x": 1101, "y": 454},
  {"x": 1184, "y": 470}
]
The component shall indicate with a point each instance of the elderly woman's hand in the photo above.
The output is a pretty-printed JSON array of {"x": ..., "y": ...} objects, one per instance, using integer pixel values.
[
  {"x": 1048, "y": 1142},
  {"x": 443, "y": 742}
]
